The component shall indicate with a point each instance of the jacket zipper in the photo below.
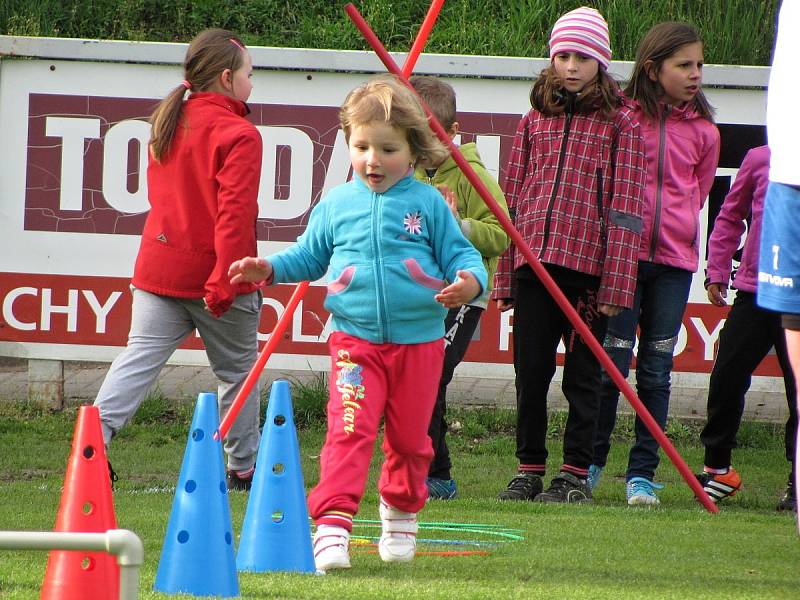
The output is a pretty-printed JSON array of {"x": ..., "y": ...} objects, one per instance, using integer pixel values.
[
  {"x": 561, "y": 154},
  {"x": 662, "y": 142},
  {"x": 380, "y": 298},
  {"x": 601, "y": 218}
]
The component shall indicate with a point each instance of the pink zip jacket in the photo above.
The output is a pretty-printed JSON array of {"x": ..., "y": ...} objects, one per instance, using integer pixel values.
[
  {"x": 682, "y": 150},
  {"x": 746, "y": 197}
]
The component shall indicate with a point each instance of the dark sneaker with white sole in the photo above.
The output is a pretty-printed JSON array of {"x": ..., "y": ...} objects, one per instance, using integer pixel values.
[
  {"x": 566, "y": 488},
  {"x": 441, "y": 489},
  {"x": 525, "y": 486},
  {"x": 789, "y": 499},
  {"x": 238, "y": 484},
  {"x": 112, "y": 474}
]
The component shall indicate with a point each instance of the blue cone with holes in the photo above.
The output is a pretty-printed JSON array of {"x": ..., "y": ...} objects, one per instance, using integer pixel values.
[
  {"x": 275, "y": 533},
  {"x": 197, "y": 556}
]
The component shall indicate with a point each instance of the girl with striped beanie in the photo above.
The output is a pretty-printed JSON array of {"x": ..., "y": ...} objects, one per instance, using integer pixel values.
[{"x": 575, "y": 185}]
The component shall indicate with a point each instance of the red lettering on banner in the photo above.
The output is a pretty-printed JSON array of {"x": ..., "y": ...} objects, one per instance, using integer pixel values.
[
  {"x": 696, "y": 349},
  {"x": 96, "y": 311},
  {"x": 60, "y": 309}
]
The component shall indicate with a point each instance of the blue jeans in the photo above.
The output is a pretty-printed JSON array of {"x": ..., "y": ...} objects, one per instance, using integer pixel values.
[{"x": 658, "y": 307}]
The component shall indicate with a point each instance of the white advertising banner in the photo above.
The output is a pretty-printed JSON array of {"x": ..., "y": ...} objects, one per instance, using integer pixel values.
[{"x": 73, "y": 190}]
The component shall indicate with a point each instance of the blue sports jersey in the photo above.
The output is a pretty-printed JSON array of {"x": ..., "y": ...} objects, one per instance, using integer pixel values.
[{"x": 779, "y": 256}]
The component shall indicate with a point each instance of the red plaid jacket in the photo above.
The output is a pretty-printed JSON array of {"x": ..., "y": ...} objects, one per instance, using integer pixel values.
[{"x": 575, "y": 188}]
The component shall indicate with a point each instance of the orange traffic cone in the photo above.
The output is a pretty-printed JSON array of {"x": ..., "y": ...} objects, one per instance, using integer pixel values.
[{"x": 86, "y": 506}]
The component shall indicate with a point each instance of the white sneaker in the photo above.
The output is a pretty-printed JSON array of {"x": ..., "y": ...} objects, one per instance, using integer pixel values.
[
  {"x": 398, "y": 541},
  {"x": 331, "y": 548}
]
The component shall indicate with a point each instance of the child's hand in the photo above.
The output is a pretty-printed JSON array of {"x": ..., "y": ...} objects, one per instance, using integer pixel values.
[
  {"x": 450, "y": 198},
  {"x": 250, "y": 269},
  {"x": 717, "y": 292},
  {"x": 609, "y": 310},
  {"x": 504, "y": 304},
  {"x": 461, "y": 291}
]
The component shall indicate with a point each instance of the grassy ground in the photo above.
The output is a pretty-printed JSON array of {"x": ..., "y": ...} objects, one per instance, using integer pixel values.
[{"x": 606, "y": 550}]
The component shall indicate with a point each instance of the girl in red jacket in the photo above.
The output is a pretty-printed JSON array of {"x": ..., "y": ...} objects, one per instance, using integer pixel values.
[
  {"x": 203, "y": 176},
  {"x": 575, "y": 186},
  {"x": 682, "y": 148}
]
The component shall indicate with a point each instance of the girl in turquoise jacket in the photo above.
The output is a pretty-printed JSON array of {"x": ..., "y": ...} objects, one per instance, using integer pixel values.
[{"x": 390, "y": 245}]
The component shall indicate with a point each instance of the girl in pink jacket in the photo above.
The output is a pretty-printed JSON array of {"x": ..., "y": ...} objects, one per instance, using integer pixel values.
[
  {"x": 682, "y": 148},
  {"x": 748, "y": 334}
]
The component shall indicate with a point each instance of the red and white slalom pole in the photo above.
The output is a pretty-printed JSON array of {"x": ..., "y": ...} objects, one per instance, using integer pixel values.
[
  {"x": 540, "y": 271},
  {"x": 422, "y": 37},
  {"x": 263, "y": 357}
]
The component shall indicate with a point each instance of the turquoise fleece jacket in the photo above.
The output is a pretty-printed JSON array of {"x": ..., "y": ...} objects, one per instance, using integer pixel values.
[{"x": 387, "y": 256}]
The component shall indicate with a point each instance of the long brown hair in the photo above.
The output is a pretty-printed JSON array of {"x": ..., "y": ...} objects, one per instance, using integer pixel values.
[
  {"x": 384, "y": 99},
  {"x": 549, "y": 97},
  {"x": 209, "y": 54},
  {"x": 658, "y": 44}
]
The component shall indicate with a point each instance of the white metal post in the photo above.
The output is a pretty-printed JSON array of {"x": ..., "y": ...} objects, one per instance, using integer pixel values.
[{"x": 122, "y": 543}]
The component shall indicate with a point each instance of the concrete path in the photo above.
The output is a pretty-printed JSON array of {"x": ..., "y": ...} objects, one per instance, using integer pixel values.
[{"x": 82, "y": 380}]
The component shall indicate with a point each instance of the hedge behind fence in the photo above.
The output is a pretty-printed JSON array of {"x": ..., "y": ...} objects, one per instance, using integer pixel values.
[{"x": 736, "y": 32}]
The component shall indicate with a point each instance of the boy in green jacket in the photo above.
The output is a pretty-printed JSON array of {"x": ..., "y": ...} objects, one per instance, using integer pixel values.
[{"x": 483, "y": 230}]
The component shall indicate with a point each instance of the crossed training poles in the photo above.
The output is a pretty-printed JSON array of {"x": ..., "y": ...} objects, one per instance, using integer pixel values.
[
  {"x": 516, "y": 238},
  {"x": 302, "y": 287}
]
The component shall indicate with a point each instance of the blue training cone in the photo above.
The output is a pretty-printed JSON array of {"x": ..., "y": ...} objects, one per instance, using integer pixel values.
[
  {"x": 275, "y": 534},
  {"x": 197, "y": 557}
]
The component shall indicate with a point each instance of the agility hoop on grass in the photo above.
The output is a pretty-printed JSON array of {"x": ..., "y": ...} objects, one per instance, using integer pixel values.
[
  {"x": 496, "y": 534},
  {"x": 263, "y": 357},
  {"x": 490, "y": 530},
  {"x": 540, "y": 271}
]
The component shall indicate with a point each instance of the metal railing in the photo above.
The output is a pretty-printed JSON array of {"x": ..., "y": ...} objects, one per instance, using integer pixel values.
[{"x": 122, "y": 543}]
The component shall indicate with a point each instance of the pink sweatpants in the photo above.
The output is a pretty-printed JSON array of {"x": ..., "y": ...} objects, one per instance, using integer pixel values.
[{"x": 368, "y": 381}]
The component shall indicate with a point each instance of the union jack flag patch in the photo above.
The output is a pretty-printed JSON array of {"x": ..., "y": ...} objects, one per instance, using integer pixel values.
[{"x": 413, "y": 223}]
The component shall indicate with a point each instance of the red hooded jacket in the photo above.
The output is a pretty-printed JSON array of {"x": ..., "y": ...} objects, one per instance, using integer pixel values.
[{"x": 203, "y": 198}]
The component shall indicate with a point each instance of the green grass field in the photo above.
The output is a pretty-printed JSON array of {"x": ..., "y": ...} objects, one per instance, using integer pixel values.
[{"x": 606, "y": 550}]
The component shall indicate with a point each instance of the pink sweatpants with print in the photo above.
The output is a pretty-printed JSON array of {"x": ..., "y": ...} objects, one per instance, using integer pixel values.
[{"x": 368, "y": 381}]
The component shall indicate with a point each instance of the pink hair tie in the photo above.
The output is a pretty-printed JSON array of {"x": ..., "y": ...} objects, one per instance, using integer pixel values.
[
  {"x": 185, "y": 83},
  {"x": 237, "y": 44}
]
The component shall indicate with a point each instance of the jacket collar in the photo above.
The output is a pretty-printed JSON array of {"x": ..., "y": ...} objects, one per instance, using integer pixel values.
[
  {"x": 679, "y": 113},
  {"x": 683, "y": 112},
  {"x": 232, "y": 104},
  {"x": 402, "y": 185}
]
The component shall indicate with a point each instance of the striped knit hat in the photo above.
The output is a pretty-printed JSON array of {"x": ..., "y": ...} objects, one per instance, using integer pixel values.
[{"x": 582, "y": 30}]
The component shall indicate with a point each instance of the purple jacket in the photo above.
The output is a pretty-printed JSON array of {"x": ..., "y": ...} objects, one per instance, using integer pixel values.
[
  {"x": 745, "y": 197},
  {"x": 682, "y": 150}
]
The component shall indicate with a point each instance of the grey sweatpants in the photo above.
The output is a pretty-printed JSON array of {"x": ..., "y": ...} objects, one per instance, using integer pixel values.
[{"x": 159, "y": 324}]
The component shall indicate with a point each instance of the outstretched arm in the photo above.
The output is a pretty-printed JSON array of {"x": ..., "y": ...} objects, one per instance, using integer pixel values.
[{"x": 250, "y": 269}]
